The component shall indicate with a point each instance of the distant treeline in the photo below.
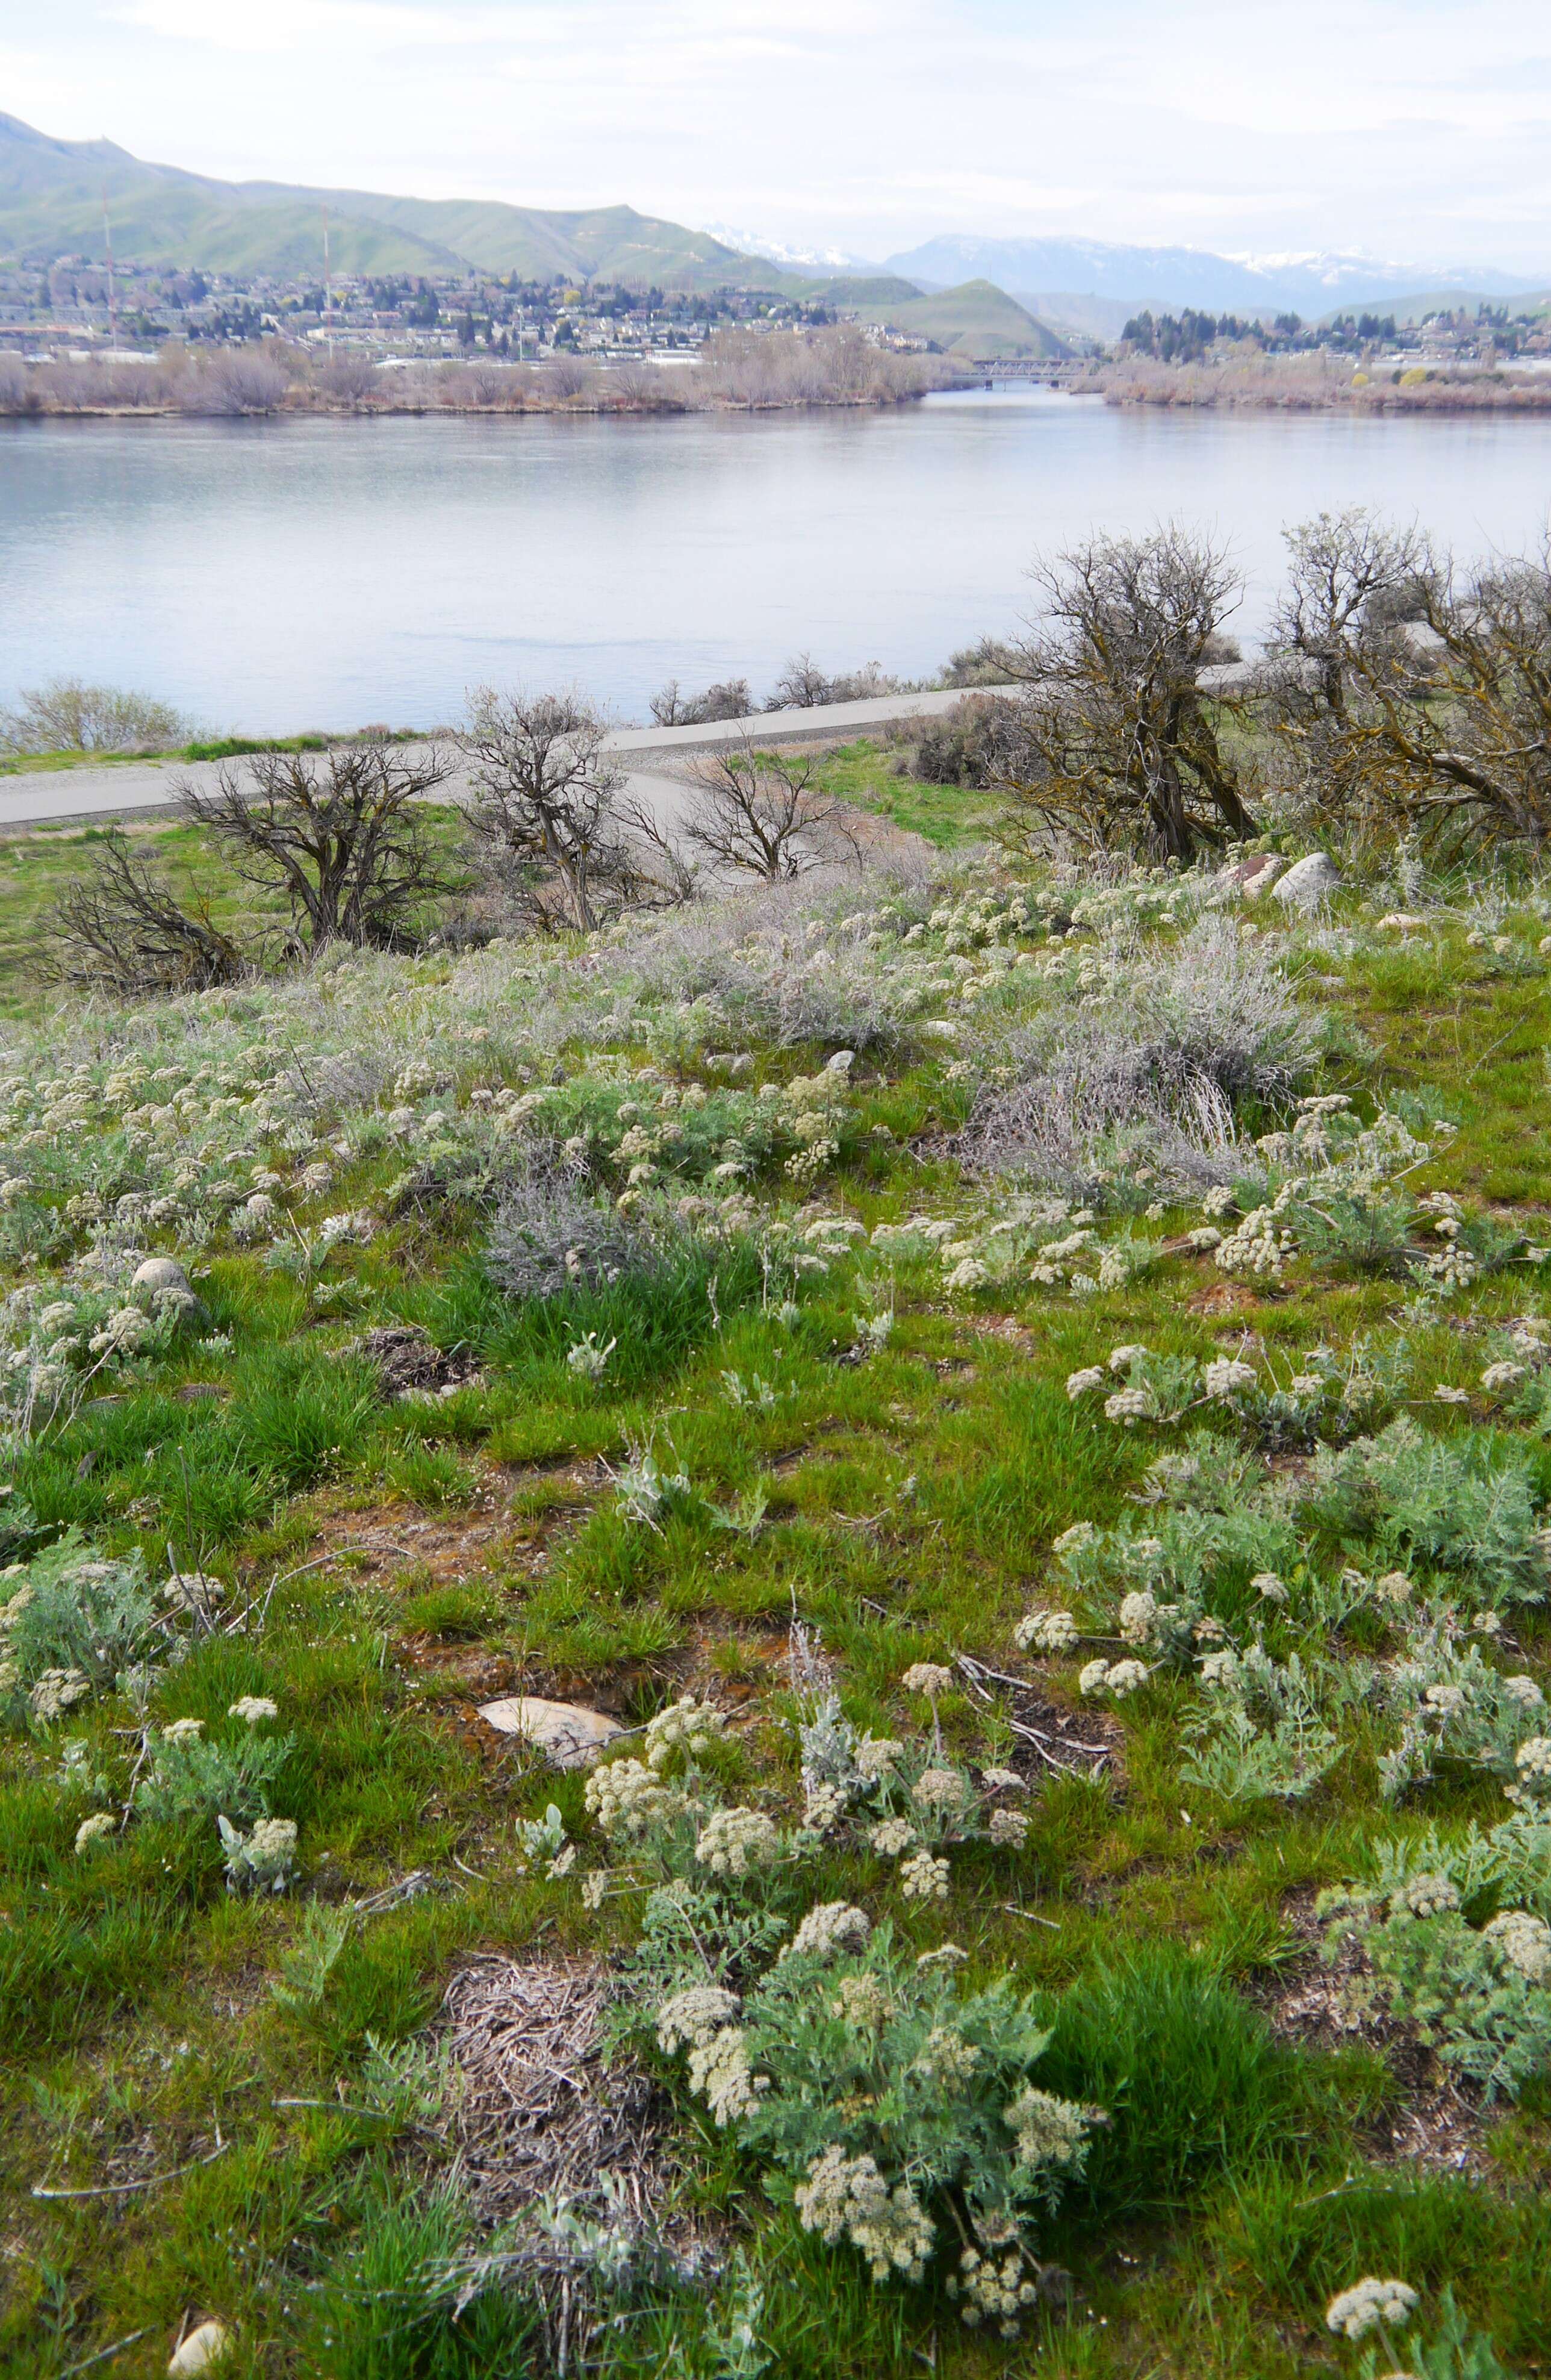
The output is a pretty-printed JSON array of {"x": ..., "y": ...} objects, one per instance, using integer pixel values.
[
  {"x": 1319, "y": 384},
  {"x": 833, "y": 366},
  {"x": 1189, "y": 337}
]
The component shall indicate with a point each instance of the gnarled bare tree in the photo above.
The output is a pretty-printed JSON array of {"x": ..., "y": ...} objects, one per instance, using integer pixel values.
[
  {"x": 1114, "y": 742},
  {"x": 122, "y": 929},
  {"x": 753, "y": 813},
  {"x": 1345, "y": 570},
  {"x": 544, "y": 804},
  {"x": 345, "y": 837},
  {"x": 1451, "y": 726}
]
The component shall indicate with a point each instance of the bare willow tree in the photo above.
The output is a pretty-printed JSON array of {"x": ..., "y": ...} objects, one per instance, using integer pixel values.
[
  {"x": 1113, "y": 743},
  {"x": 544, "y": 804},
  {"x": 1451, "y": 729},
  {"x": 122, "y": 929},
  {"x": 730, "y": 698},
  {"x": 346, "y": 838},
  {"x": 67, "y": 716},
  {"x": 1346, "y": 570},
  {"x": 802, "y": 686},
  {"x": 753, "y": 813}
]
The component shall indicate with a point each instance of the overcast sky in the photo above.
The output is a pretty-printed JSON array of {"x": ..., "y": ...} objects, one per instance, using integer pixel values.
[{"x": 1414, "y": 129}]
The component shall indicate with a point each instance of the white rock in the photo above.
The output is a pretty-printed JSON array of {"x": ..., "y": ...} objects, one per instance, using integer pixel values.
[
  {"x": 202, "y": 2349},
  {"x": 568, "y": 1734},
  {"x": 1307, "y": 882},
  {"x": 159, "y": 1273}
]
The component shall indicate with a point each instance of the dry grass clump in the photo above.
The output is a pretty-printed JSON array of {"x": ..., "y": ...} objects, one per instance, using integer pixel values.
[
  {"x": 538, "y": 2113},
  {"x": 1162, "y": 1048}
]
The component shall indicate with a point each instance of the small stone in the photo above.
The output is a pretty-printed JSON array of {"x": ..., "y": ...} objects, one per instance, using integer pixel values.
[
  {"x": 568, "y": 1734},
  {"x": 1257, "y": 874},
  {"x": 1308, "y": 883},
  {"x": 202, "y": 2349},
  {"x": 156, "y": 1274}
]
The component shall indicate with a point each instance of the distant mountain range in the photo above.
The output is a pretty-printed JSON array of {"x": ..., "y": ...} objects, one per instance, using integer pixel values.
[
  {"x": 51, "y": 204},
  {"x": 986, "y": 299},
  {"x": 1311, "y": 285}
]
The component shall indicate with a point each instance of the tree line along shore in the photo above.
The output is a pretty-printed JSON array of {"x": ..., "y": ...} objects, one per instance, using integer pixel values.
[{"x": 741, "y": 370}]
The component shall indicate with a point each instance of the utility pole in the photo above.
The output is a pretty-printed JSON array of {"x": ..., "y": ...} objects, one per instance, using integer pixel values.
[
  {"x": 107, "y": 242},
  {"x": 328, "y": 287}
]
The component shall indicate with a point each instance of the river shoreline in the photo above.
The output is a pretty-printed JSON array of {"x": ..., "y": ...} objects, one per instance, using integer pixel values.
[{"x": 560, "y": 410}]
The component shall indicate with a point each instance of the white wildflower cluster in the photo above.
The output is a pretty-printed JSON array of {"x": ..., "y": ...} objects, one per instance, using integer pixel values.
[
  {"x": 1370, "y": 2305},
  {"x": 988, "y": 2291},
  {"x": 829, "y": 1928},
  {"x": 1531, "y": 1764},
  {"x": 626, "y": 1797},
  {"x": 685, "y": 1730},
  {"x": 1051, "y": 2134},
  {"x": 861, "y": 2000},
  {"x": 1260, "y": 1244},
  {"x": 848, "y": 2198},
  {"x": 1046, "y": 1631},
  {"x": 1117, "y": 1678},
  {"x": 692, "y": 2018},
  {"x": 924, "y": 1876},
  {"x": 263, "y": 1859},
  {"x": 948, "y": 2059},
  {"x": 55, "y": 1692},
  {"x": 1524, "y": 1942},
  {"x": 736, "y": 1841},
  {"x": 718, "y": 2073},
  {"x": 252, "y": 1709}
]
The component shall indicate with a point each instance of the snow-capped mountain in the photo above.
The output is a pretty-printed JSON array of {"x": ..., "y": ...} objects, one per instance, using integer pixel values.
[
  {"x": 780, "y": 251},
  {"x": 1308, "y": 283}
]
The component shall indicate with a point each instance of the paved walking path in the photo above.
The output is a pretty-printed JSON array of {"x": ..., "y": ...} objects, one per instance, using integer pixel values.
[{"x": 127, "y": 788}]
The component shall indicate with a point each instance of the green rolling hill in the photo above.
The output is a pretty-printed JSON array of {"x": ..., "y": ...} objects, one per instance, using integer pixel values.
[
  {"x": 51, "y": 204},
  {"x": 977, "y": 323},
  {"x": 52, "y": 197}
]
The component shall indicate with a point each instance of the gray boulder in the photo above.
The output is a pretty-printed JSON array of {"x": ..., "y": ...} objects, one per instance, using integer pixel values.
[
  {"x": 161, "y": 1286},
  {"x": 1307, "y": 882}
]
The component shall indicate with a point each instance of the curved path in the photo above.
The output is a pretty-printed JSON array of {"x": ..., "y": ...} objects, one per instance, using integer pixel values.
[{"x": 125, "y": 789}]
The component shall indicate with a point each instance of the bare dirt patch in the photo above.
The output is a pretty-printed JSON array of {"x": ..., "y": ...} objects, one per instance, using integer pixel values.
[
  {"x": 1431, "y": 2125},
  {"x": 1046, "y": 1738},
  {"x": 1221, "y": 1297}
]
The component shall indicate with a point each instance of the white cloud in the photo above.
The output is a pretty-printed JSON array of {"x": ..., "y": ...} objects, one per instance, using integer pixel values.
[{"x": 1406, "y": 126}]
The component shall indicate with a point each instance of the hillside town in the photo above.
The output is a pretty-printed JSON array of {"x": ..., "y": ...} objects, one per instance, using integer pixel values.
[{"x": 76, "y": 303}]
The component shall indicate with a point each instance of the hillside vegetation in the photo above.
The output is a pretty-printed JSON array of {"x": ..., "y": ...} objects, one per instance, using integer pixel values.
[
  {"x": 796, "y": 1621},
  {"x": 50, "y": 200},
  {"x": 977, "y": 323}
]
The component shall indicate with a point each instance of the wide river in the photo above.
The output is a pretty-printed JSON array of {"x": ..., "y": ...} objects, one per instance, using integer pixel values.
[{"x": 279, "y": 575}]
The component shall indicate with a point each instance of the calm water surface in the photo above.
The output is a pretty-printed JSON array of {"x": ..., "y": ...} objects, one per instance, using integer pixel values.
[{"x": 276, "y": 576}]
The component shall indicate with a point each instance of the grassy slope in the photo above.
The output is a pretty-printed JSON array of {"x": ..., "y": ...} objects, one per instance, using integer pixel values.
[
  {"x": 51, "y": 201},
  {"x": 1247, "y": 2181},
  {"x": 977, "y": 321}
]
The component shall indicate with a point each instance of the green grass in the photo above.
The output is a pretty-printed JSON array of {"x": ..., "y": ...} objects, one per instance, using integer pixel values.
[
  {"x": 946, "y": 816},
  {"x": 410, "y": 1553}
]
